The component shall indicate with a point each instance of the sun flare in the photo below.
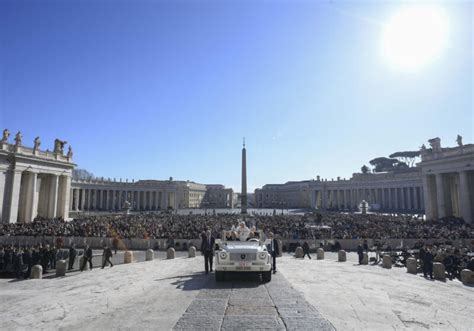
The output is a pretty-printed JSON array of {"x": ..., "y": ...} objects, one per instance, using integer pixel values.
[{"x": 415, "y": 36}]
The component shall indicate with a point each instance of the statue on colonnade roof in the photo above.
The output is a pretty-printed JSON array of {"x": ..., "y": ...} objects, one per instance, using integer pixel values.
[
  {"x": 18, "y": 139},
  {"x": 6, "y": 135},
  {"x": 59, "y": 146}
]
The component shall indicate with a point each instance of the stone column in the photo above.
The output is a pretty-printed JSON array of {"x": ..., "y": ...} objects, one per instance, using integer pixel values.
[
  {"x": 383, "y": 199},
  {"x": 63, "y": 197},
  {"x": 89, "y": 199},
  {"x": 120, "y": 199},
  {"x": 98, "y": 199},
  {"x": 415, "y": 198},
  {"x": 11, "y": 214},
  {"x": 173, "y": 200},
  {"x": 403, "y": 198},
  {"x": 76, "y": 199},
  {"x": 138, "y": 200},
  {"x": 397, "y": 204},
  {"x": 422, "y": 199},
  {"x": 31, "y": 201},
  {"x": 440, "y": 196},
  {"x": 464, "y": 197},
  {"x": 65, "y": 200},
  {"x": 107, "y": 199},
  {"x": 428, "y": 199},
  {"x": 94, "y": 199},
  {"x": 324, "y": 197},
  {"x": 390, "y": 202},
  {"x": 165, "y": 200},
  {"x": 53, "y": 196},
  {"x": 113, "y": 199},
  {"x": 83, "y": 199},
  {"x": 409, "y": 198},
  {"x": 71, "y": 198}
]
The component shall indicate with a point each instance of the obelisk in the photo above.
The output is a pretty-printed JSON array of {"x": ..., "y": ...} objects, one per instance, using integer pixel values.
[{"x": 243, "y": 193}]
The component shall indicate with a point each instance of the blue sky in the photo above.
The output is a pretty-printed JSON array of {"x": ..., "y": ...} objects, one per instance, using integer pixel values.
[{"x": 153, "y": 89}]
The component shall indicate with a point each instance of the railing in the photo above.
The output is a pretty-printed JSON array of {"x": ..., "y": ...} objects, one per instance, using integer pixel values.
[
  {"x": 448, "y": 152},
  {"x": 28, "y": 151}
]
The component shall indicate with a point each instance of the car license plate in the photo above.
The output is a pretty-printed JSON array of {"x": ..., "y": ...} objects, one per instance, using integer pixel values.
[{"x": 243, "y": 266}]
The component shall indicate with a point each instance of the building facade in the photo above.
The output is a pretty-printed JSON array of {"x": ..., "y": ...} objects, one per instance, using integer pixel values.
[
  {"x": 448, "y": 180},
  {"x": 111, "y": 195},
  {"x": 390, "y": 192},
  {"x": 441, "y": 185},
  {"x": 37, "y": 183},
  {"x": 217, "y": 196},
  {"x": 33, "y": 182}
]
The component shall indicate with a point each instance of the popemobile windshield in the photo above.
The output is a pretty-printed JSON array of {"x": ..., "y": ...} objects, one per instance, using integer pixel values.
[{"x": 242, "y": 250}]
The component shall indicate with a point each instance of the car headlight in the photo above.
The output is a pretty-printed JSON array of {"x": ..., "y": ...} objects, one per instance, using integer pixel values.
[
  {"x": 262, "y": 255},
  {"x": 223, "y": 255}
]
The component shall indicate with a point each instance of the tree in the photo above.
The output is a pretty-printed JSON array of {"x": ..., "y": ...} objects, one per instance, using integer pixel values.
[
  {"x": 383, "y": 164},
  {"x": 408, "y": 157},
  {"x": 81, "y": 174},
  {"x": 365, "y": 169}
]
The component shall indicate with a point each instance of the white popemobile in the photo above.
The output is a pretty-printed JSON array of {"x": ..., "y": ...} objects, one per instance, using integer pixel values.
[{"x": 245, "y": 254}]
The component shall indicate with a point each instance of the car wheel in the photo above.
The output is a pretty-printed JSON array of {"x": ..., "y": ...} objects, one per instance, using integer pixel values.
[
  {"x": 219, "y": 276},
  {"x": 267, "y": 276}
]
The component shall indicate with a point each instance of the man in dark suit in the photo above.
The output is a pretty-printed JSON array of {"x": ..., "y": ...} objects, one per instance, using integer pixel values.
[
  {"x": 306, "y": 250},
  {"x": 428, "y": 264},
  {"x": 107, "y": 255},
  {"x": 87, "y": 258},
  {"x": 274, "y": 250},
  {"x": 360, "y": 253},
  {"x": 207, "y": 249},
  {"x": 72, "y": 256}
]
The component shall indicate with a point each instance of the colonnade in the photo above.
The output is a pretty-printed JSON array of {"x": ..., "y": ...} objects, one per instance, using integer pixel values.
[
  {"x": 403, "y": 199},
  {"x": 449, "y": 194},
  {"x": 34, "y": 194},
  {"x": 83, "y": 199}
]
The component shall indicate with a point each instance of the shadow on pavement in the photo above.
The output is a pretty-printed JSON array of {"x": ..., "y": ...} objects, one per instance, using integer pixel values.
[{"x": 200, "y": 280}]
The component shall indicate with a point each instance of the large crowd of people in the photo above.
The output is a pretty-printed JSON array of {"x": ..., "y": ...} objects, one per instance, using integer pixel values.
[
  {"x": 298, "y": 227},
  {"x": 310, "y": 226},
  {"x": 20, "y": 259}
]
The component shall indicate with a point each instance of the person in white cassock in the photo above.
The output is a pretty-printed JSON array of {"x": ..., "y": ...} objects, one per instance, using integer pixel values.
[{"x": 243, "y": 231}]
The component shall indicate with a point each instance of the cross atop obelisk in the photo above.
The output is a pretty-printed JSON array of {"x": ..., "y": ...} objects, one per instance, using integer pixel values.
[{"x": 243, "y": 194}]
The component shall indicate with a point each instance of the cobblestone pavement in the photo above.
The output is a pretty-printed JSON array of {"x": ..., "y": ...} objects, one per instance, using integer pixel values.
[{"x": 248, "y": 304}]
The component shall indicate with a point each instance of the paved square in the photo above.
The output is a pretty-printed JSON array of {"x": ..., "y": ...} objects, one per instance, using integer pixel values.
[{"x": 304, "y": 294}]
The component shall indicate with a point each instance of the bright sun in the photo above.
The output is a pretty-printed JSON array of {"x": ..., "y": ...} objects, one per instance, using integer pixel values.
[{"x": 415, "y": 36}]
